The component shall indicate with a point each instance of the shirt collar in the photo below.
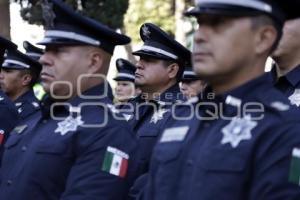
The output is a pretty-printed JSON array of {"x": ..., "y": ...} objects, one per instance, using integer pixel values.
[
  {"x": 241, "y": 92},
  {"x": 27, "y": 96},
  {"x": 101, "y": 93},
  {"x": 294, "y": 76},
  {"x": 171, "y": 95}
]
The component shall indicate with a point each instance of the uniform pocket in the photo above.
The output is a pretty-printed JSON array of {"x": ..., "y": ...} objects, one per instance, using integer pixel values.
[
  {"x": 50, "y": 148},
  {"x": 148, "y": 132},
  {"x": 165, "y": 152},
  {"x": 218, "y": 159}
]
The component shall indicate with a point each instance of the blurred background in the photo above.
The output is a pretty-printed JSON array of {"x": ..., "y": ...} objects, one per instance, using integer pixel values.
[{"x": 22, "y": 20}]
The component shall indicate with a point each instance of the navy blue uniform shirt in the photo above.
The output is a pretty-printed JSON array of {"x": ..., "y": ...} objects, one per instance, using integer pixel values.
[
  {"x": 228, "y": 154},
  {"x": 148, "y": 119},
  {"x": 27, "y": 104},
  {"x": 76, "y": 151},
  {"x": 147, "y": 122},
  {"x": 288, "y": 84}
]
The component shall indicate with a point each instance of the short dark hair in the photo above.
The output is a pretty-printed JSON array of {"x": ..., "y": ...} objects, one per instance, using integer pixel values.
[
  {"x": 34, "y": 73},
  {"x": 262, "y": 20},
  {"x": 179, "y": 74}
]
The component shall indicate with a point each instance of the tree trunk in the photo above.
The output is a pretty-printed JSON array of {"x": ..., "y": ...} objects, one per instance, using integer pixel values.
[{"x": 4, "y": 19}]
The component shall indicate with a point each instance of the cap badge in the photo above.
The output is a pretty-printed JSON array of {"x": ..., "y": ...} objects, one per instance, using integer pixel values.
[
  {"x": 120, "y": 62},
  {"x": 146, "y": 31}
]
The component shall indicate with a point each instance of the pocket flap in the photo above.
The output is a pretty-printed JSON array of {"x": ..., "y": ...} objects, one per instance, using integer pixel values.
[
  {"x": 165, "y": 152},
  {"x": 223, "y": 160},
  {"x": 50, "y": 148},
  {"x": 150, "y": 132}
]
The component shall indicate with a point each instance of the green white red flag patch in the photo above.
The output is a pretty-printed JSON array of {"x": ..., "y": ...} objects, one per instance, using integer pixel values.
[{"x": 115, "y": 162}]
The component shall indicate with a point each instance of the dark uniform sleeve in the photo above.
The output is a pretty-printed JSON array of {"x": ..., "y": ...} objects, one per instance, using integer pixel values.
[
  {"x": 8, "y": 120},
  {"x": 273, "y": 164},
  {"x": 88, "y": 180}
]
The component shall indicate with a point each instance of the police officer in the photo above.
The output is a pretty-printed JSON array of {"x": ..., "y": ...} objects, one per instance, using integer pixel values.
[
  {"x": 35, "y": 53},
  {"x": 286, "y": 72},
  {"x": 8, "y": 113},
  {"x": 191, "y": 84},
  {"x": 18, "y": 75},
  {"x": 77, "y": 149},
  {"x": 158, "y": 72},
  {"x": 125, "y": 88},
  {"x": 228, "y": 150}
]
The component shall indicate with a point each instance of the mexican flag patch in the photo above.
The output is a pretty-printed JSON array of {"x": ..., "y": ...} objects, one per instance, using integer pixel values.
[
  {"x": 294, "y": 175},
  {"x": 115, "y": 162}
]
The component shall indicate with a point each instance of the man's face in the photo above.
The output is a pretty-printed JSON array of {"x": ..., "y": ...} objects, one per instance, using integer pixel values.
[
  {"x": 289, "y": 44},
  {"x": 11, "y": 81},
  {"x": 151, "y": 73},
  {"x": 192, "y": 88},
  {"x": 222, "y": 46},
  {"x": 62, "y": 65}
]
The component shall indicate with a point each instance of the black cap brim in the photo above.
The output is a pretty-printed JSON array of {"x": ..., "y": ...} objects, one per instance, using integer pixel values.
[
  {"x": 124, "y": 79},
  {"x": 143, "y": 53}
]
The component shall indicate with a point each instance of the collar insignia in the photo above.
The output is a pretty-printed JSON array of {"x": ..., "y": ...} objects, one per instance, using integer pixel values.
[{"x": 158, "y": 115}]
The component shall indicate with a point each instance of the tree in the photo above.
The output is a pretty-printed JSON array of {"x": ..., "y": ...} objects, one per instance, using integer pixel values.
[
  {"x": 159, "y": 12},
  {"x": 4, "y": 19},
  {"x": 100, "y": 10},
  {"x": 184, "y": 25}
]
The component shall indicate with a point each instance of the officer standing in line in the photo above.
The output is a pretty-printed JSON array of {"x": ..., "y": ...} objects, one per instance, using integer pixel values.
[
  {"x": 286, "y": 71},
  {"x": 8, "y": 113},
  {"x": 35, "y": 53},
  {"x": 125, "y": 88},
  {"x": 245, "y": 142},
  {"x": 18, "y": 75},
  {"x": 191, "y": 84},
  {"x": 158, "y": 72},
  {"x": 77, "y": 150}
]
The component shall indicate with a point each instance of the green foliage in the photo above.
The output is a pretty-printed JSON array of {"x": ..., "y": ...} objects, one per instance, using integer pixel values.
[
  {"x": 159, "y": 12},
  {"x": 109, "y": 12}
]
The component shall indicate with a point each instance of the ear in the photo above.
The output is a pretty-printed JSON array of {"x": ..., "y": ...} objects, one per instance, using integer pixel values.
[
  {"x": 26, "y": 79},
  {"x": 95, "y": 62},
  {"x": 265, "y": 39},
  {"x": 173, "y": 70}
]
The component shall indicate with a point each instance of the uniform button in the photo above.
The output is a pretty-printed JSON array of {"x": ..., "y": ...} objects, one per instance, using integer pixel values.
[
  {"x": 44, "y": 121},
  {"x": 9, "y": 182},
  {"x": 24, "y": 148}
]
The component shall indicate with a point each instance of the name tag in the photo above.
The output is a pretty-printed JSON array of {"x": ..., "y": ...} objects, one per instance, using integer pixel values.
[{"x": 174, "y": 134}]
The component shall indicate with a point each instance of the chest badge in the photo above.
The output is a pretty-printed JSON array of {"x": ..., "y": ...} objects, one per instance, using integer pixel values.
[
  {"x": 158, "y": 115},
  {"x": 69, "y": 124},
  {"x": 237, "y": 130},
  {"x": 295, "y": 97}
]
